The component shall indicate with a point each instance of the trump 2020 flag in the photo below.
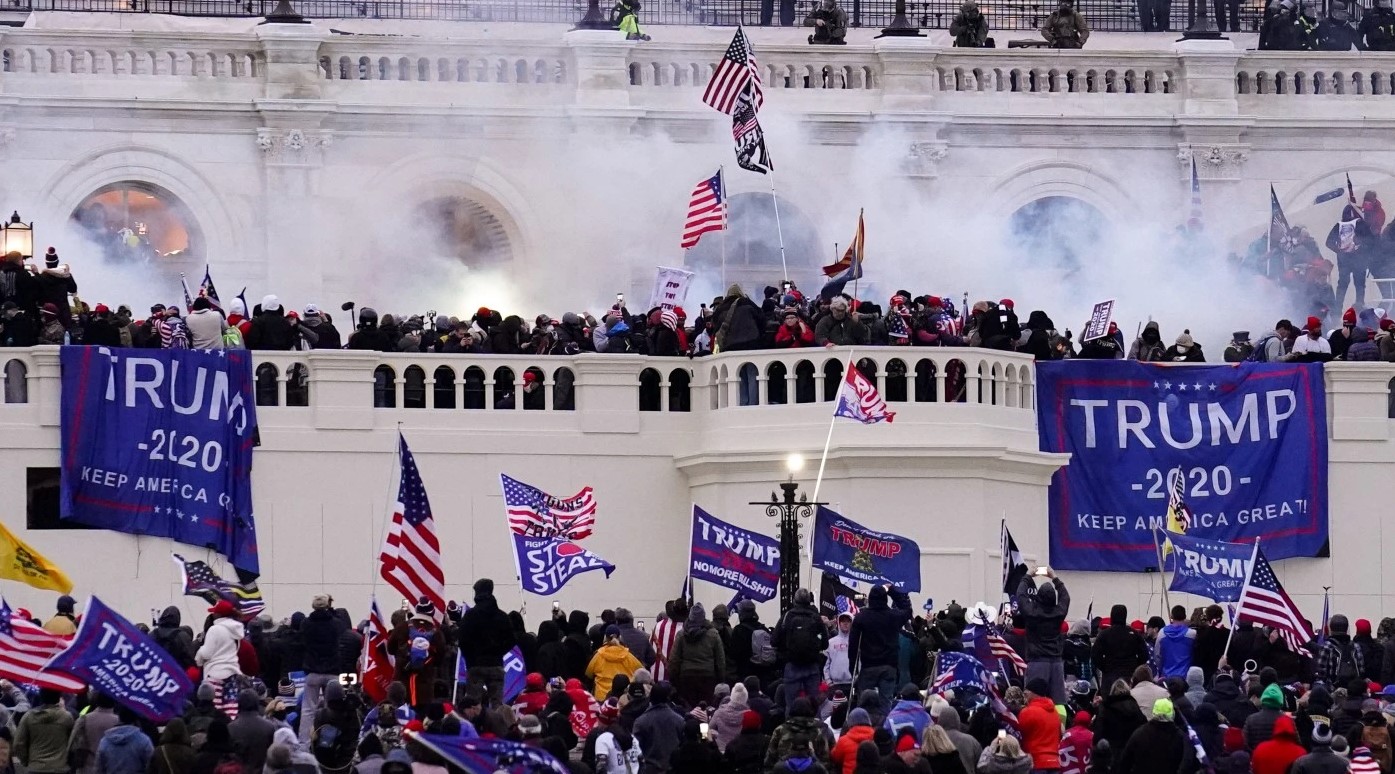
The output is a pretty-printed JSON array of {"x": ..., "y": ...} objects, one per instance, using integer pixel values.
[
  {"x": 545, "y": 564},
  {"x": 159, "y": 442},
  {"x": 733, "y": 557},
  {"x": 859, "y": 400},
  {"x": 112, "y": 655},
  {"x": 1213, "y": 569},
  {"x": 515, "y": 674},
  {"x": 849, "y": 550},
  {"x": 489, "y": 756}
]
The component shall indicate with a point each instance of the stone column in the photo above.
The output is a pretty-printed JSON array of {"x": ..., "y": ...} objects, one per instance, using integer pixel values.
[
  {"x": 907, "y": 74},
  {"x": 601, "y": 62},
  {"x": 1208, "y": 76}
]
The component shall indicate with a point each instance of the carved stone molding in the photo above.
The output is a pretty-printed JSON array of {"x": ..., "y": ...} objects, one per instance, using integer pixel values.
[
  {"x": 1214, "y": 161},
  {"x": 296, "y": 147},
  {"x": 924, "y": 158}
]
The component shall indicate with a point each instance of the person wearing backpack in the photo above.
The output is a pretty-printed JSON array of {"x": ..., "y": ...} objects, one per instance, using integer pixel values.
[
  {"x": 1340, "y": 661},
  {"x": 801, "y": 639},
  {"x": 335, "y": 737},
  {"x": 1272, "y": 346}
]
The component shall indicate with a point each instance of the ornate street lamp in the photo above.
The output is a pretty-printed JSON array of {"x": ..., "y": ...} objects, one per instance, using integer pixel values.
[
  {"x": 594, "y": 19},
  {"x": 284, "y": 13},
  {"x": 789, "y": 511},
  {"x": 18, "y": 237},
  {"x": 901, "y": 26}
]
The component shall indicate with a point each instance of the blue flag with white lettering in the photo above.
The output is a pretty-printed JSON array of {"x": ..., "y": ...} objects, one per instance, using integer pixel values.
[
  {"x": 545, "y": 564},
  {"x": 1248, "y": 442},
  {"x": 1208, "y": 568},
  {"x": 159, "y": 442},
  {"x": 730, "y": 556},
  {"x": 477, "y": 755},
  {"x": 849, "y": 550},
  {"x": 515, "y": 674},
  {"x": 110, "y": 654}
]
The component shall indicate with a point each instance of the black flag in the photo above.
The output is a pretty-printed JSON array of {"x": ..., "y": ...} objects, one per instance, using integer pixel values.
[
  {"x": 750, "y": 138},
  {"x": 830, "y": 589},
  {"x": 1014, "y": 568}
]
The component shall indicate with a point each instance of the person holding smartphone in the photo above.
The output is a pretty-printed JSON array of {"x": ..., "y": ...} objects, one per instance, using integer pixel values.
[{"x": 1043, "y": 611}]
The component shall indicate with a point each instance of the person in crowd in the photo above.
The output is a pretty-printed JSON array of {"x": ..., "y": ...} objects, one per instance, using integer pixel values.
[
  {"x": 1278, "y": 753},
  {"x": 1341, "y": 339},
  {"x": 1065, "y": 27},
  {"x": 318, "y": 323},
  {"x": 908, "y": 714},
  {"x": 801, "y": 730},
  {"x": 969, "y": 28},
  {"x": 612, "y": 659},
  {"x": 839, "y": 327},
  {"x": 659, "y": 731},
  {"x": 51, "y": 330},
  {"x": 1340, "y": 661},
  {"x": 175, "y": 754},
  {"x": 746, "y": 753},
  {"x": 102, "y": 330},
  {"x": 418, "y": 649},
  {"x": 698, "y": 662},
  {"x": 1118, "y": 650},
  {"x": 1239, "y": 349},
  {"x": 1148, "y": 347},
  {"x": 88, "y": 731},
  {"x": 1041, "y": 727},
  {"x": 830, "y": 23},
  {"x": 1157, "y": 747},
  {"x": 1321, "y": 759},
  {"x": 625, "y": 17},
  {"x": 205, "y": 325},
  {"x": 1259, "y": 726},
  {"x": 271, "y": 329},
  {"x": 947, "y": 717},
  {"x": 320, "y": 636},
  {"x": 1004, "y": 755},
  {"x": 1311, "y": 347},
  {"x": 859, "y": 729},
  {"x": 217, "y": 657},
  {"x": 1184, "y": 350},
  {"x": 1378, "y": 27},
  {"x": 1145, "y": 691},
  {"x": 1155, "y": 15},
  {"x": 1335, "y": 32},
  {"x": 874, "y": 641},
  {"x": 1078, "y": 744},
  {"x": 837, "y": 670},
  {"x": 726, "y": 721},
  {"x": 125, "y": 749},
  {"x": 800, "y": 639},
  {"x": 1351, "y": 239},
  {"x": 52, "y": 285},
  {"x": 41, "y": 740},
  {"x": 485, "y": 636},
  {"x": 940, "y": 753},
  {"x": 793, "y": 332},
  {"x": 1043, "y": 612},
  {"x": 1175, "y": 645},
  {"x": 251, "y": 732}
]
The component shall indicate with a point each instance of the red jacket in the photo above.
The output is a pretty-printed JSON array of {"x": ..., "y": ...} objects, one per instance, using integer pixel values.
[
  {"x": 1278, "y": 754},
  {"x": 1041, "y": 733},
  {"x": 531, "y": 702},
  {"x": 783, "y": 337},
  {"x": 1076, "y": 749},
  {"x": 844, "y": 753}
]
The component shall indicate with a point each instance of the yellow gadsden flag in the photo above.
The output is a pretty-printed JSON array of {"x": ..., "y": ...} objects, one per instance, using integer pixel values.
[{"x": 19, "y": 562}]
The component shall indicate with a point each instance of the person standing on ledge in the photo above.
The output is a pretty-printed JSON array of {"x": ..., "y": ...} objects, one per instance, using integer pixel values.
[
  {"x": 830, "y": 24},
  {"x": 1065, "y": 27},
  {"x": 625, "y": 18}
]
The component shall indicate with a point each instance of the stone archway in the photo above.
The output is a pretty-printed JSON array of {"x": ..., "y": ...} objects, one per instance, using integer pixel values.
[
  {"x": 1057, "y": 230},
  {"x": 134, "y": 221},
  {"x": 752, "y": 250}
]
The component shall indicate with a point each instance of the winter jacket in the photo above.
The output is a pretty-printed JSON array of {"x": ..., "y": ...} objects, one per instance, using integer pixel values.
[
  {"x": 486, "y": 634},
  {"x": 1259, "y": 727},
  {"x": 698, "y": 650},
  {"x": 1041, "y": 733},
  {"x": 609, "y": 661},
  {"x": 738, "y": 322},
  {"x": 1117, "y": 719},
  {"x": 795, "y": 732},
  {"x": 1044, "y": 612},
  {"x": 320, "y": 633},
  {"x": 1148, "y": 347},
  {"x": 748, "y": 622},
  {"x": 906, "y": 714},
  {"x": 1118, "y": 650},
  {"x": 659, "y": 731},
  {"x": 1276, "y": 755},
  {"x": 101, "y": 332},
  {"x": 993, "y": 763},
  {"x": 746, "y": 753},
  {"x": 1157, "y": 747},
  {"x": 844, "y": 753},
  {"x": 174, "y": 755},
  {"x": 874, "y": 639},
  {"x": 218, "y": 656},
  {"x": 205, "y": 329},
  {"x": 1321, "y": 761},
  {"x": 1209, "y": 647},
  {"x": 576, "y": 645},
  {"x": 1077, "y": 746},
  {"x": 800, "y": 617},
  {"x": 1226, "y": 698},
  {"x": 638, "y": 643},
  {"x": 251, "y": 737},
  {"x": 52, "y": 286},
  {"x": 124, "y": 750},
  {"x": 1372, "y": 656},
  {"x": 326, "y": 335},
  {"x": 847, "y": 331},
  {"x": 271, "y": 331},
  {"x": 725, "y": 722},
  {"x": 87, "y": 735},
  {"x": 41, "y": 741},
  {"x": 1175, "y": 645}
]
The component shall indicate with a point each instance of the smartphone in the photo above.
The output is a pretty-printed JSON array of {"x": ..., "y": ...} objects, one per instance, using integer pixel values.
[
  {"x": 1041, "y": 571},
  {"x": 640, "y": 624},
  {"x": 556, "y": 605},
  {"x": 620, "y": 297},
  {"x": 702, "y": 729},
  {"x": 1002, "y": 733}
]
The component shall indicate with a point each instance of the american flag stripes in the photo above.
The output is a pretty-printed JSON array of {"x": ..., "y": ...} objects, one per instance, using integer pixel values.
[
  {"x": 24, "y": 649},
  {"x": 1278, "y": 222},
  {"x": 411, "y": 556},
  {"x": 707, "y": 210},
  {"x": 1002, "y": 650},
  {"x": 859, "y": 400},
  {"x": 735, "y": 72},
  {"x": 663, "y": 639},
  {"x": 206, "y": 290},
  {"x": 200, "y": 581},
  {"x": 535, "y": 513},
  {"x": 1263, "y": 601}
]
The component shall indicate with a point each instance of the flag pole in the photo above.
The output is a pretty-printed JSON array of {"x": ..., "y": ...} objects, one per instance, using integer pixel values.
[
  {"x": 779, "y": 232},
  {"x": 1161, "y": 574},
  {"x": 722, "y": 179},
  {"x": 823, "y": 461},
  {"x": 1240, "y": 603}
]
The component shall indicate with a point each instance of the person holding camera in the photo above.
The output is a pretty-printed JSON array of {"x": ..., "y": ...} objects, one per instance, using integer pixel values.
[
  {"x": 830, "y": 24},
  {"x": 320, "y": 635},
  {"x": 1044, "y": 610}
]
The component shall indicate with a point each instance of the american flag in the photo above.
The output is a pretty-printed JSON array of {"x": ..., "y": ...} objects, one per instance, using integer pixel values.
[
  {"x": 489, "y": 756},
  {"x": 847, "y": 605},
  {"x": 1362, "y": 762},
  {"x": 736, "y": 71},
  {"x": 411, "y": 556},
  {"x": 376, "y": 664},
  {"x": 536, "y": 513},
  {"x": 24, "y": 649},
  {"x": 663, "y": 639},
  {"x": 1263, "y": 601},
  {"x": 987, "y": 644},
  {"x": 959, "y": 671},
  {"x": 1194, "y": 219},
  {"x": 206, "y": 290},
  {"x": 200, "y": 581},
  {"x": 858, "y": 399},
  {"x": 707, "y": 210},
  {"x": 1278, "y": 222}
]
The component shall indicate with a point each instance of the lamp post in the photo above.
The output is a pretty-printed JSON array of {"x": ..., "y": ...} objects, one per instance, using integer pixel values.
[
  {"x": 789, "y": 511},
  {"x": 901, "y": 26},
  {"x": 594, "y": 19},
  {"x": 18, "y": 237},
  {"x": 284, "y": 13}
]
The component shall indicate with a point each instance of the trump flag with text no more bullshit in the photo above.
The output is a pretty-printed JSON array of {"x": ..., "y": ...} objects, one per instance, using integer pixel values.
[
  {"x": 738, "y": 559},
  {"x": 159, "y": 442},
  {"x": 1249, "y": 440},
  {"x": 849, "y": 550}
]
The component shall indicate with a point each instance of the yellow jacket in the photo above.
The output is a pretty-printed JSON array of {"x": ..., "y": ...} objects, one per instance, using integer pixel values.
[{"x": 611, "y": 660}]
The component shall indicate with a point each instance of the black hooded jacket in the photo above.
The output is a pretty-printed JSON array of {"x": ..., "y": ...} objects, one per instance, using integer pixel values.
[
  {"x": 552, "y": 656},
  {"x": 1043, "y": 611},
  {"x": 485, "y": 632},
  {"x": 320, "y": 633},
  {"x": 875, "y": 635},
  {"x": 577, "y": 645},
  {"x": 1039, "y": 340},
  {"x": 175, "y": 639},
  {"x": 1118, "y": 649}
]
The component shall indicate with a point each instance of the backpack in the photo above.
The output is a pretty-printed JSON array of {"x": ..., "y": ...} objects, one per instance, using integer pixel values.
[
  {"x": 762, "y": 649},
  {"x": 1260, "y": 353},
  {"x": 232, "y": 338},
  {"x": 1346, "y": 663},
  {"x": 802, "y": 641}
]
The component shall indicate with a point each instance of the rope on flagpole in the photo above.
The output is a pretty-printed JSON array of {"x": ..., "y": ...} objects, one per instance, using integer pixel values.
[{"x": 779, "y": 232}]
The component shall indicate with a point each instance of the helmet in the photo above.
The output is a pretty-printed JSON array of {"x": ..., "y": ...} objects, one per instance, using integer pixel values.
[{"x": 367, "y": 317}]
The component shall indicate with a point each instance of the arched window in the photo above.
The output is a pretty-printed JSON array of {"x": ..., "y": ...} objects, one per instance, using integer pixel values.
[
  {"x": 267, "y": 387},
  {"x": 804, "y": 382},
  {"x": 297, "y": 385},
  {"x": 752, "y": 251},
  {"x": 414, "y": 387},
  {"x": 1057, "y": 230},
  {"x": 443, "y": 391},
  {"x": 679, "y": 391},
  {"x": 384, "y": 387},
  {"x": 563, "y": 390},
  {"x": 460, "y": 229},
  {"x": 504, "y": 397},
  {"x": 895, "y": 391},
  {"x": 833, "y": 379},
  {"x": 138, "y": 222},
  {"x": 927, "y": 388},
  {"x": 777, "y": 384},
  {"x": 534, "y": 389},
  {"x": 16, "y": 377},
  {"x": 649, "y": 380},
  {"x": 474, "y": 388}
]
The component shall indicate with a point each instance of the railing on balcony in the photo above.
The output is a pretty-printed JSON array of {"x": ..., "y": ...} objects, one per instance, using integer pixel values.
[
  {"x": 119, "y": 54},
  {"x": 351, "y": 58}
]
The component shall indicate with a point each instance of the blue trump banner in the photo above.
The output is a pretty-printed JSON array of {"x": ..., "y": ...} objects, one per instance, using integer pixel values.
[
  {"x": 1209, "y": 568},
  {"x": 116, "y": 658},
  {"x": 733, "y": 557},
  {"x": 489, "y": 756},
  {"x": 515, "y": 674},
  {"x": 159, "y": 442},
  {"x": 849, "y": 550},
  {"x": 545, "y": 564},
  {"x": 1248, "y": 442}
]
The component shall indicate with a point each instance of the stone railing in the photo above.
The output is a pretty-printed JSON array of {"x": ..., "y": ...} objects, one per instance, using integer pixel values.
[{"x": 599, "y": 69}]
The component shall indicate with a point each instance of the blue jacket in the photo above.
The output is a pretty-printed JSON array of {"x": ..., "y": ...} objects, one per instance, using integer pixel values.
[
  {"x": 908, "y": 713},
  {"x": 1175, "y": 645},
  {"x": 124, "y": 750}
]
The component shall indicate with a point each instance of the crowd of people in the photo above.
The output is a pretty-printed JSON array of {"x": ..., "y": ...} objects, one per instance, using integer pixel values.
[{"x": 818, "y": 690}]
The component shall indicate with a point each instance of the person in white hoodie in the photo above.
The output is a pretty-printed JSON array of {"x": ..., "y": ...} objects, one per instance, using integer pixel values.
[
  {"x": 218, "y": 656},
  {"x": 837, "y": 672},
  {"x": 205, "y": 325}
]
